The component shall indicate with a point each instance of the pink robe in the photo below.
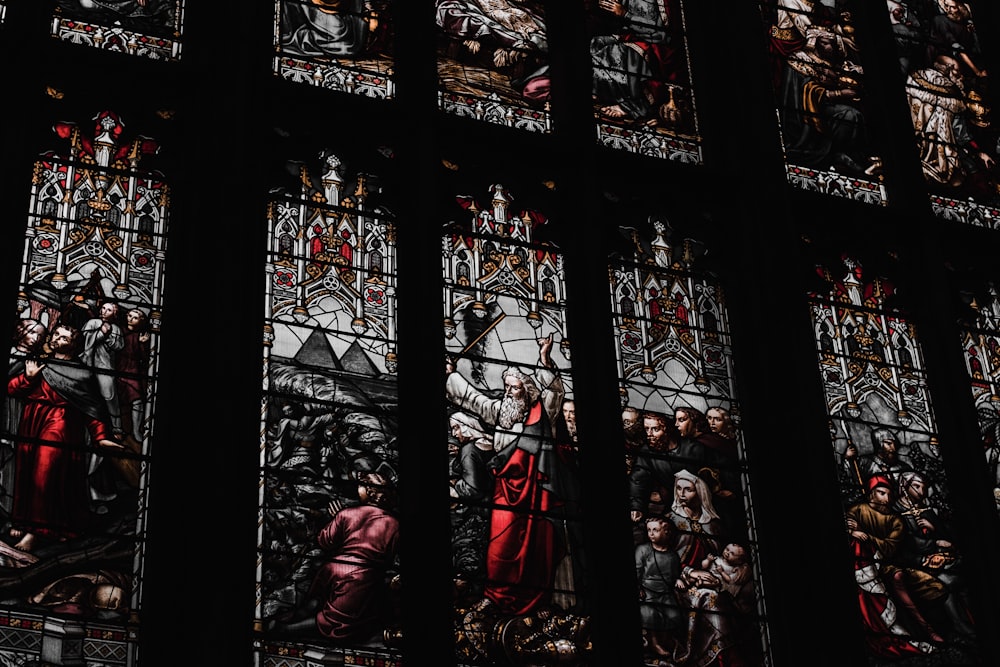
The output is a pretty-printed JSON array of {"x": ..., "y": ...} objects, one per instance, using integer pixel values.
[{"x": 362, "y": 542}]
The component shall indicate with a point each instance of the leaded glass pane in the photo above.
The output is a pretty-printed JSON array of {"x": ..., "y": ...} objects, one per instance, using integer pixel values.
[
  {"x": 689, "y": 495},
  {"x": 493, "y": 62},
  {"x": 328, "y": 534},
  {"x": 516, "y": 533},
  {"x": 981, "y": 347},
  {"x": 947, "y": 90},
  {"x": 820, "y": 88},
  {"x": 643, "y": 100},
  {"x": 81, "y": 395},
  {"x": 894, "y": 489},
  {"x": 343, "y": 45},
  {"x": 146, "y": 28}
]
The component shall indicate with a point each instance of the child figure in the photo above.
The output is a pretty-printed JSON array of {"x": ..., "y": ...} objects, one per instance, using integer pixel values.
[
  {"x": 731, "y": 570},
  {"x": 658, "y": 571},
  {"x": 718, "y": 587}
]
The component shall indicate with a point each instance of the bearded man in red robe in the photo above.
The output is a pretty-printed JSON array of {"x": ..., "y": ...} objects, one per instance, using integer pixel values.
[
  {"x": 526, "y": 548},
  {"x": 62, "y": 406}
]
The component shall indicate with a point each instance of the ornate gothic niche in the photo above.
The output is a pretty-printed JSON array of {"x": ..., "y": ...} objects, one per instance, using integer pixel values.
[
  {"x": 329, "y": 418},
  {"x": 980, "y": 339},
  {"x": 947, "y": 90},
  {"x": 643, "y": 95},
  {"x": 493, "y": 62},
  {"x": 339, "y": 45},
  {"x": 144, "y": 28},
  {"x": 821, "y": 108},
  {"x": 517, "y": 555},
  {"x": 689, "y": 493},
  {"x": 887, "y": 456},
  {"x": 81, "y": 410}
]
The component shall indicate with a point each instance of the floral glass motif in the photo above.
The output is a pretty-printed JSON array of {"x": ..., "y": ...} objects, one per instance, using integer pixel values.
[
  {"x": 946, "y": 87},
  {"x": 146, "y": 28},
  {"x": 689, "y": 498},
  {"x": 642, "y": 81},
  {"x": 981, "y": 346},
  {"x": 820, "y": 91},
  {"x": 516, "y": 532},
  {"x": 342, "y": 45},
  {"x": 911, "y": 588},
  {"x": 328, "y": 535},
  {"x": 493, "y": 60},
  {"x": 81, "y": 394}
]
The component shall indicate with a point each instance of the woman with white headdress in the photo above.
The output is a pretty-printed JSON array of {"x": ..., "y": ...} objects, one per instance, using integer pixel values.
[
  {"x": 715, "y": 625},
  {"x": 698, "y": 525}
]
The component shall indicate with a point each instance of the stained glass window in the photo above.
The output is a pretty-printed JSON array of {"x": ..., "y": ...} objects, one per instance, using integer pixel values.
[
  {"x": 642, "y": 80},
  {"x": 82, "y": 389},
  {"x": 895, "y": 493},
  {"x": 328, "y": 533},
  {"x": 820, "y": 89},
  {"x": 947, "y": 91},
  {"x": 981, "y": 346},
  {"x": 343, "y": 46},
  {"x": 147, "y": 28},
  {"x": 689, "y": 498},
  {"x": 516, "y": 532},
  {"x": 493, "y": 62}
]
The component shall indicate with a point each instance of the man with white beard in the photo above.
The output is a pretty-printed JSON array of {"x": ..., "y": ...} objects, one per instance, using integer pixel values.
[{"x": 531, "y": 485}]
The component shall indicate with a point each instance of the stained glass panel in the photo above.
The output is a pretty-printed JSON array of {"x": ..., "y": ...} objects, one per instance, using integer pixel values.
[
  {"x": 642, "y": 81},
  {"x": 981, "y": 346},
  {"x": 947, "y": 90},
  {"x": 516, "y": 534},
  {"x": 493, "y": 62},
  {"x": 81, "y": 395},
  {"x": 820, "y": 88},
  {"x": 146, "y": 28},
  {"x": 893, "y": 485},
  {"x": 343, "y": 46},
  {"x": 328, "y": 534},
  {"x": 689, "y": 497}
]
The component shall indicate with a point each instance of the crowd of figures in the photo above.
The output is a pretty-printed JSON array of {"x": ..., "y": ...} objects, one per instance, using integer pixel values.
[
  {"x": 73, "y": 433},
  {"x": 948, "y": 93},
  {"x": 692, "y": 554},
  {"x": 894, "y": 490},
  {"x": 911, "y": 591}
]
